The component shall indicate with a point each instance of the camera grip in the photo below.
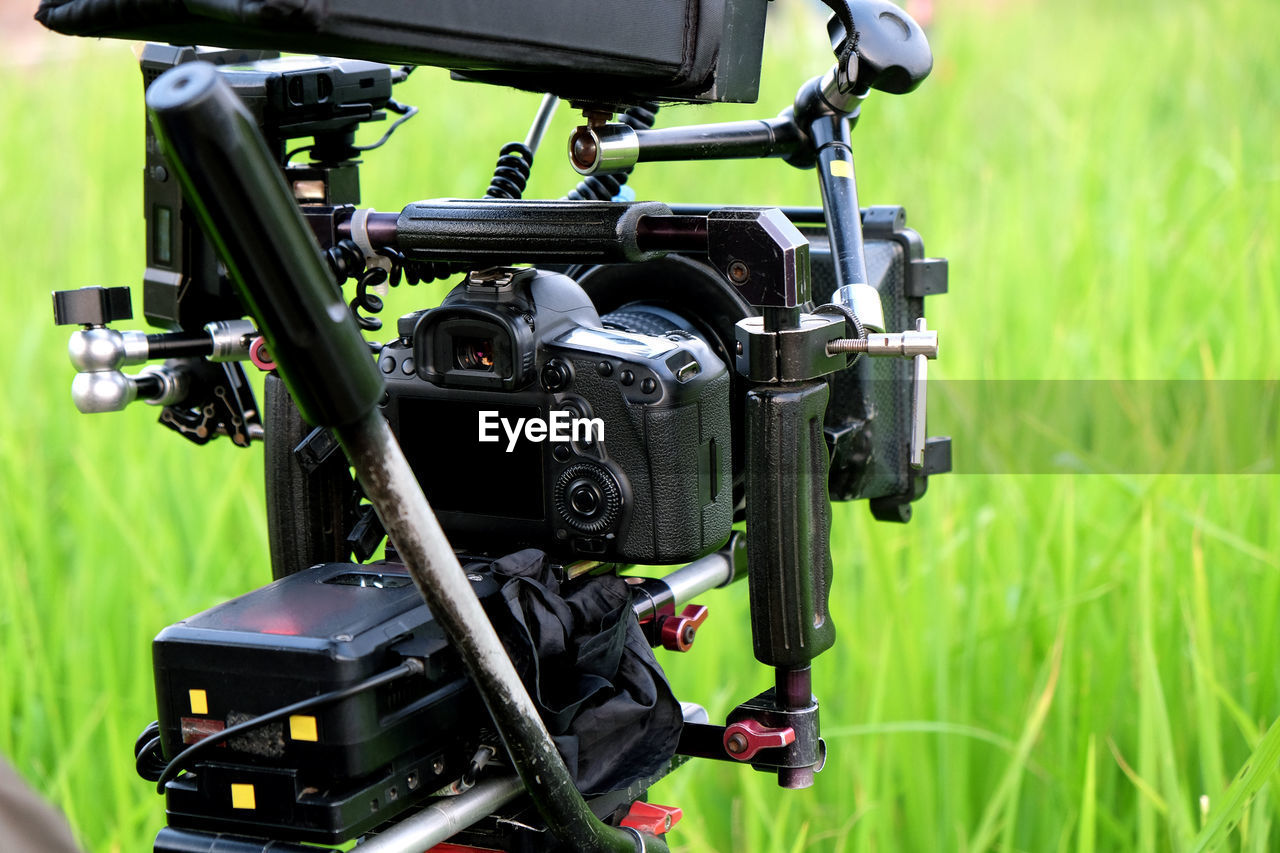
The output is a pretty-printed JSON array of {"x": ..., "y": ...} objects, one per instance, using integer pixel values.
[
  {"x": 240, "y": 198},
  {"x": 788, "y": 523}
]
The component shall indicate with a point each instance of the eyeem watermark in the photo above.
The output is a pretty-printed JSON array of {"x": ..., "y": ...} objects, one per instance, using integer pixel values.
[{"x": 561, "y": 426}]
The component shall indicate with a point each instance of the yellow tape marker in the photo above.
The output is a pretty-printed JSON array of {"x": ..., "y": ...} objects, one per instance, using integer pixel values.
[
  {"x": 199, "y": 701},
  {"x": 242, "y": 796},
  {"x": 303, "y": 728},
  {"x": 841, "y": 169}
]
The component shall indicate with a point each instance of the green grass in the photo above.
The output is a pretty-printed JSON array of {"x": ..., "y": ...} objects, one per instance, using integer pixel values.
[{"x": 1035, "y": 663}]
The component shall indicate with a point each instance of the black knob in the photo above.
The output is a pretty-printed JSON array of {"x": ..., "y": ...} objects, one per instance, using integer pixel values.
[
  {"x": 893, "y": 52},
  {"x": 585, "y": 498},
  {"x": 91, "y": 306},
  {"x": 588, "y": 498},
  {"x": 556, "y": 376}
]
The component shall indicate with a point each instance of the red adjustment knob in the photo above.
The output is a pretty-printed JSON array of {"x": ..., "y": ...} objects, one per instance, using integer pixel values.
[
  {"x": 651, "y": 817},
  {"x": 259, "y": 356},
  {"x": 678, "y": 632},
  {"x": 744, "y": 739}
]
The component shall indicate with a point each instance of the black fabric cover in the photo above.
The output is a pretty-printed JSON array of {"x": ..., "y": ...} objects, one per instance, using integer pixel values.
[
  {"x": 591, "y": 672},
  {"x": 659, "y": 48}
]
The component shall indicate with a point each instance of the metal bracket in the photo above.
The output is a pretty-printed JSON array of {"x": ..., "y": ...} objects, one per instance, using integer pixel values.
[
  {"x": 762, "y": 254},
  {"x": 795, "y": 742},
  {"x": 789, "y": 355}
]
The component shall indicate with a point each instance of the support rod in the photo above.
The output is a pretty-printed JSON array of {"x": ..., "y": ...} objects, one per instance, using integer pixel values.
[{"x": 444, "y": 818}]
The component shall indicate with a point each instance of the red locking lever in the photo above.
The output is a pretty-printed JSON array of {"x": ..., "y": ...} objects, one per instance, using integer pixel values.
[
  {"x": 745, "y": 738},
  {"x": 678, "y": 632},
  {"x": 651, "y": 817}
]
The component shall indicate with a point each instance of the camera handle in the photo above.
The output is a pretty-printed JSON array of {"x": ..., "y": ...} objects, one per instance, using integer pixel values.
[{"x": 222, "y": 162}]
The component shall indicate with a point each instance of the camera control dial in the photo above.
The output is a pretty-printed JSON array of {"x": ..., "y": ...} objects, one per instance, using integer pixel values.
[
  {"x": 588, "y": 498},
  {"x": 556, "y": 375}
]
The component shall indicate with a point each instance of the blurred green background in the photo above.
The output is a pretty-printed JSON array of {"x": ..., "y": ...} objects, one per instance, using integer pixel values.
[{"x": 1034, "y": 663}]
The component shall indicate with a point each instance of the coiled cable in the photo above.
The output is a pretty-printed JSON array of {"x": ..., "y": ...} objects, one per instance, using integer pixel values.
[{"x": 511, "y": 174}]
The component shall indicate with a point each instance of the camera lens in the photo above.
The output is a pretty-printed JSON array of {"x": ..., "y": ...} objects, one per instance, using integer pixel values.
[{"x": 473, "y": 353}]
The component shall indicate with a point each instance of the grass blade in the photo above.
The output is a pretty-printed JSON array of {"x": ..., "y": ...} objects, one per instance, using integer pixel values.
[
  {"x": 1012, "y": 777},
  {"x": 1255, "y": 774}
]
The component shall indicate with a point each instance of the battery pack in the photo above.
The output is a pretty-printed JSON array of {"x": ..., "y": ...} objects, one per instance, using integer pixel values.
[{"x": 330, "y": 772}]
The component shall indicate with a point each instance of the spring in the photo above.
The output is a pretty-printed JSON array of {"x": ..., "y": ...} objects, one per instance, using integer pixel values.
[
  {"x": 598, "y": 187},
  {"x": 345, "y": 259},
  {"x": 511, "y": 174},
  {"x": 416, "y": 272},
  {"x": 367, "y": 300},
  {"x": 642, "y": 116}
]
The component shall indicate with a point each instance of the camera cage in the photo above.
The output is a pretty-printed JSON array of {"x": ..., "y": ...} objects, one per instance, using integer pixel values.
[{"x": 747, "y": 271}]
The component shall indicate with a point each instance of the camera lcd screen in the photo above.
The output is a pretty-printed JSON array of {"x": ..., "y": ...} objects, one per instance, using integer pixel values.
[{"x": 460, "y": 473}]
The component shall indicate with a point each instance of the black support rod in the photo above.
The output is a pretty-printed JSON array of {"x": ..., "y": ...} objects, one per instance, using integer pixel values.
[
  {"x": 840, "y": 197},
  {"x": 775, "y": 137},
  {"x": 242, "y": 202}
]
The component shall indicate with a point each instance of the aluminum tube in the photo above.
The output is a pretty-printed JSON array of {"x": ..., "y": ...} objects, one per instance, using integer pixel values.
[
  {"x": 444, "y": 818},
  {"x": 688, "y": 582},
  {"x": 541, "y": 120}
]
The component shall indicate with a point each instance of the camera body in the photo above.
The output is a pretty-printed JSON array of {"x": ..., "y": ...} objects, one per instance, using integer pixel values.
[{"x": 562, "y": 434}]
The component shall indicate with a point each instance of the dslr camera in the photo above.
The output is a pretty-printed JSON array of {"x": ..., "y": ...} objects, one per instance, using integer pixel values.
[
  {"x": 608, "y": 385},
  {"x": 589, "y": 441}
]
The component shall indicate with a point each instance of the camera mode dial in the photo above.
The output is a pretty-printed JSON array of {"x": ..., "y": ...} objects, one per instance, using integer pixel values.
[{"x": 588, "y": 498}]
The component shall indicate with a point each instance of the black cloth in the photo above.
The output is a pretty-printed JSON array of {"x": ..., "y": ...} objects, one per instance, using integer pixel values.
[{"x": 590, "y": 671}]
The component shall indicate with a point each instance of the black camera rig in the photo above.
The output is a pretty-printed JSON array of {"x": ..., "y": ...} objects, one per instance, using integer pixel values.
[{"x": 659, "y": 373}]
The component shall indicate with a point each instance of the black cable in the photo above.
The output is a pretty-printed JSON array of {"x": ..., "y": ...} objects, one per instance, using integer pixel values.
[
  {"x": 295, "y": 152},
  {"x": 411, "y": 666},
  {"x": 368, "y": 300},
  {"x": 405, "y": 112},
  {"x": 511, "y": 174}
]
